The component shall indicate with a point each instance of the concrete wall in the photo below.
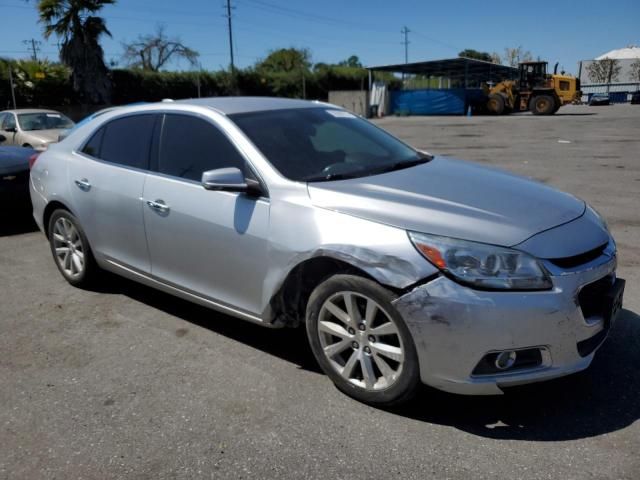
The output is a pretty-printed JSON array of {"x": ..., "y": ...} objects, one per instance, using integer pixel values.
[{"x": 355, "y": 101}]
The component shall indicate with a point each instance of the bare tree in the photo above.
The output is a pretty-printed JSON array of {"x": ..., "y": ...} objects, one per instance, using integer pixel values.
[
  {"x": 606, "y": 70},
  {"x": 634, "y": 74},
  {"x": 514, "y": 56},
  {"x": 496, "y": 58},
  {"x": 153, "y": 51}
]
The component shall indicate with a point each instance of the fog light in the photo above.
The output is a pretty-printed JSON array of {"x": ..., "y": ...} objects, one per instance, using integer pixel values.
[{"x": 505, "y": 360}]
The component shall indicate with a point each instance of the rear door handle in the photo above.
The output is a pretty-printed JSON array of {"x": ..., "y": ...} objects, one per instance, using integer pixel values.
[
  {"x": 158, "y": 206},
  {"x": 83, "y": 184}
]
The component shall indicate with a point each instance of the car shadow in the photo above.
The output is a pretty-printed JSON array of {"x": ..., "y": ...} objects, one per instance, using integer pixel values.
[
  {"x": 287, "y": 343},
  {"x": 16, "y": 215},
  {"x": 602, "y": 399}
]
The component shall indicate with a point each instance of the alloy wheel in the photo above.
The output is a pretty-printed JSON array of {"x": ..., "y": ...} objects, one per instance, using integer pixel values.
[
  {"x": 360, "y": 340},
  {"x": 68, "y": 248}
]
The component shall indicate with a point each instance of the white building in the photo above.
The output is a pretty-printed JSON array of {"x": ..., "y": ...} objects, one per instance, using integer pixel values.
[{"x": 623, "y": 79}]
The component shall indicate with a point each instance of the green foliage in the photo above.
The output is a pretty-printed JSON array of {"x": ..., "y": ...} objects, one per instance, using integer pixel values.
[
  {"x": 353, "y": 61},
  {"x": 471, "y": 53},
  {"x": 36, "y": 83},
  {"x": 283, "y": 73},
  {"x": 285, "y": 60}
]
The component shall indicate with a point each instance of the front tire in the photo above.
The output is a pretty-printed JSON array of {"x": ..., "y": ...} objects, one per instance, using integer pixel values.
[
  {"x": 361, "y": 342},
  {"x": 70, "y": 249},
  {"x": 496, "y": 104},
  {"x": 543, "y": 105}
]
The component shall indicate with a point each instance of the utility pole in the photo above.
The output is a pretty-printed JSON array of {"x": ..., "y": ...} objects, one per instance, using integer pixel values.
[
  {"x": 405, "y": 31},
  {"x": 233, "y": 68},
  {"x": 34, "y": 46},
  {"x": 13, "y": 93}
]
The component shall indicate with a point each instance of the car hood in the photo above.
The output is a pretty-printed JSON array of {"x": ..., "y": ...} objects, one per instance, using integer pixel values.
[
  {"x": 43, "y": 136},
  {"x": 452, "y": 198}
]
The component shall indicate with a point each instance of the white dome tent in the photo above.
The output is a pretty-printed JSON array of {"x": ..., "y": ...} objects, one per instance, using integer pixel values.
[
  {"x": 616, "y": 73},
  {"x": 632, "y": 52}
]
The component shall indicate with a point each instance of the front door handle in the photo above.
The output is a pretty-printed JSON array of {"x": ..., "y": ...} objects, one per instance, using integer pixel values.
[
  {"x": 83, "y": 184},
  {"x": 158, "y": 205}
]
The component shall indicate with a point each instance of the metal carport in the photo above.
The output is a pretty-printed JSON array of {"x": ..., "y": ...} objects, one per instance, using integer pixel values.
[{"x": 464, "y": 78}]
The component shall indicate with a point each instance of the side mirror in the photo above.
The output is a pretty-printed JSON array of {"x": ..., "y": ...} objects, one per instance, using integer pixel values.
[
  {"x": 230, "y": 180},
  {"x": 12, "y": 129}
]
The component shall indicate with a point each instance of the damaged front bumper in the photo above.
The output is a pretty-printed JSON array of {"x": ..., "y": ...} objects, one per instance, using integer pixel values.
[{"x": 456, "y": 328}]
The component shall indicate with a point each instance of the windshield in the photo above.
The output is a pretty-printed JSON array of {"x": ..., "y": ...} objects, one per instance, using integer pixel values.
[
  {"x": 317, "y": 144},
  {"x": 43, "y": 121}
]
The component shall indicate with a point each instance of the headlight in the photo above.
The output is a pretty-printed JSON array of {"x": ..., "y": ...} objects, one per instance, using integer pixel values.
[{"x": 482, "y": 265}]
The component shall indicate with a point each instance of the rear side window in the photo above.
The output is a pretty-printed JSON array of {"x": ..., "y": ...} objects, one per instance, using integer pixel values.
[
  {"x": 125, "y": 141},
  {"x": 93, "y": 146},
  {"x": 190, "y": 146}
]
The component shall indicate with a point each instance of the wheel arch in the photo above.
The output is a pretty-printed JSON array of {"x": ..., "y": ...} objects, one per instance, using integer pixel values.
[
  {"x": 288, "y": 305},
  {"x": 51, "y": 207}
]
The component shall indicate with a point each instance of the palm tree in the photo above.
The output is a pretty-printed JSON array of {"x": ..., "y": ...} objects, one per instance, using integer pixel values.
[{"x": 73, "y": 21}]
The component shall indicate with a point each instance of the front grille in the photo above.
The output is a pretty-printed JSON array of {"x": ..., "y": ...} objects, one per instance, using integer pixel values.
[
  {"x": 592, "y": 297},
  {"x": 577, "y": 260}
]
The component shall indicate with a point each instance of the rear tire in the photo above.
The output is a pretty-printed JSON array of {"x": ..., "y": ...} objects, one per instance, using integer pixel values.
[
  {"x": 543, "y": 105},
  {"x": 495, "y": 104},
  {"x": 70, "y": 249},
  {"x": 361, "y": 342}
]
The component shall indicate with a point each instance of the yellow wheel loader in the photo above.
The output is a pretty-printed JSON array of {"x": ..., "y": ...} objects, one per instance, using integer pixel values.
[{"x": 534, "y": 90}]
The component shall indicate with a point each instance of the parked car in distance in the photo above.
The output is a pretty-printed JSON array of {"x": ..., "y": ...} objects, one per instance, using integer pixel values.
[
  {"x": 635, "y": 98},
  {"x": 598, "y": 99},
  {"x": 14, "y": 170},
  {"x": 404, "y": 267},
  {"x": 32, "y": 128}
]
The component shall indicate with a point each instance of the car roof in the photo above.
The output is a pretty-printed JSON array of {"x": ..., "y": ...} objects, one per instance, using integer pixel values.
[
  {"x": 30, "y": 110},
  {"x": 232, "y": 105}
]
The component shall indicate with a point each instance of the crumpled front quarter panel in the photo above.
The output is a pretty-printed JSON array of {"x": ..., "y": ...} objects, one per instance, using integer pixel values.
[{"x": 299, "y": 231}]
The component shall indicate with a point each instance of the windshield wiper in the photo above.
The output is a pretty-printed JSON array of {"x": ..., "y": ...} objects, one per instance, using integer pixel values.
[
  {"x": 330, "y": 177},
  {"x": 404, "y": 164}
]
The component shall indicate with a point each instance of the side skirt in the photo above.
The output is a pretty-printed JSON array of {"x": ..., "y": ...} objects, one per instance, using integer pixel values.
[{"x": 117, "y": 268}]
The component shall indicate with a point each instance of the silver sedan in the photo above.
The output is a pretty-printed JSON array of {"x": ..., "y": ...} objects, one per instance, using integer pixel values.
[{"x": 403, "y": 267}]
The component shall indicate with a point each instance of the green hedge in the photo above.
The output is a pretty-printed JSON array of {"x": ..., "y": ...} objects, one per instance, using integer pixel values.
[{"x": 142, "y": 86}]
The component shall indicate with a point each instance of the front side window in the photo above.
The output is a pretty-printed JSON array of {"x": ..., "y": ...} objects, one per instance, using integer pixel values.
[
  {"x": 317, "y": 144},
  {"x": 43, "y": 121},
  {"x": 190, "y": 146},
  {"x": 125, "y": 141}
]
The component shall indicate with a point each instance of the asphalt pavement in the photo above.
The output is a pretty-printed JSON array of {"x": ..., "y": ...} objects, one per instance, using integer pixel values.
[{"x": 128, "y": 382}]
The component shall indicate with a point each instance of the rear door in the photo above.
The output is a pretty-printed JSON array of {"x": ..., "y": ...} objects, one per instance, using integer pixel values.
[
  {"x": 211, "y": 243},
  {"x": 106, "y": 180}
]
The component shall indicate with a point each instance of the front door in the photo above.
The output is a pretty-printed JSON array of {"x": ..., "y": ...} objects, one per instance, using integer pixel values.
[{"x": 211, "y": 243}]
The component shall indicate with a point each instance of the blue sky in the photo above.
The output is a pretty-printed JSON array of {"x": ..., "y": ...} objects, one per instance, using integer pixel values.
[{"x": 558, "y": 30}]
